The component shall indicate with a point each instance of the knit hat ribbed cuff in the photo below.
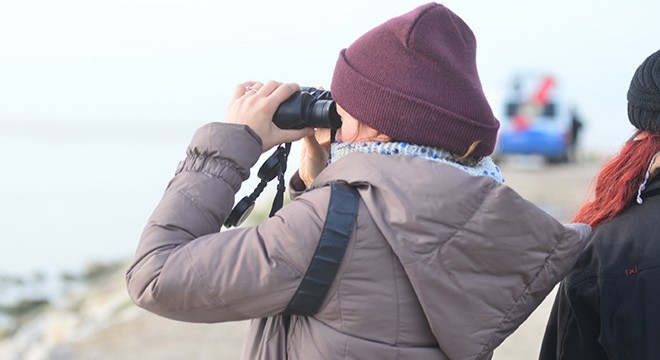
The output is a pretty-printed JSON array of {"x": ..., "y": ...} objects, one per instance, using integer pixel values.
[
  {"x": 408, "y": 118},
  {"x": 644, "y": 95}
]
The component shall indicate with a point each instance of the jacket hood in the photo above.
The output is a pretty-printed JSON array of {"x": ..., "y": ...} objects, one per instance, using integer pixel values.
[{"x": 480, "y": 257}]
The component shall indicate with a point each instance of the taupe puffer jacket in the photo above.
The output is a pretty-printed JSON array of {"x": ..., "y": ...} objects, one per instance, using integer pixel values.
[{"x": 441, "y": 264}]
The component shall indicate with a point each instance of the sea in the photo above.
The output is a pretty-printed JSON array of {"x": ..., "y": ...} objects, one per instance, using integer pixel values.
[{"x": 75, "y": 194}]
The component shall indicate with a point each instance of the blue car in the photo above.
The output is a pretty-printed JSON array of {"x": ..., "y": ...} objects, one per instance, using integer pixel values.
[{"x": 536, "y": 121}]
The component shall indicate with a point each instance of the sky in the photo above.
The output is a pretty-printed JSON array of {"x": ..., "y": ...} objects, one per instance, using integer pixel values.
[
  {"x": 98, "y": 98},
  {"x": 173, "y": 62}
]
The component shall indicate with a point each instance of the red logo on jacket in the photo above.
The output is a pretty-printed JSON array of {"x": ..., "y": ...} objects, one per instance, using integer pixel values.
[{"x": 632, "y": 271}]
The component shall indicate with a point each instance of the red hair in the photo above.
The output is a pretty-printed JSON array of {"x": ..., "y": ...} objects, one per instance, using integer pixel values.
[{"x": 619, "y": 180}]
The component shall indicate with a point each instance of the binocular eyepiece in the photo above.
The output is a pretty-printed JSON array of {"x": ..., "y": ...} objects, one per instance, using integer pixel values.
[{"x": 310, "y": 107}]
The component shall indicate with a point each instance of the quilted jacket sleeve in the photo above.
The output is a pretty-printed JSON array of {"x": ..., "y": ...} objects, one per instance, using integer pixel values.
[{"x": 186, "y": 269}]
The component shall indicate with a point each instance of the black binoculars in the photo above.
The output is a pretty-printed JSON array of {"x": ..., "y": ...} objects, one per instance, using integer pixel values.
[{"x": 310, "y": 107}]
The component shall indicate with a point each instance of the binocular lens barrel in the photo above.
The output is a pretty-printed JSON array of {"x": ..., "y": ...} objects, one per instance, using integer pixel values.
[{"x": 323, "y": 114}]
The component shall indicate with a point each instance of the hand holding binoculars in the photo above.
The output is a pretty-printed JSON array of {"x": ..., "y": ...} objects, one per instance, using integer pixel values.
[{"x": 310, "y": 107}]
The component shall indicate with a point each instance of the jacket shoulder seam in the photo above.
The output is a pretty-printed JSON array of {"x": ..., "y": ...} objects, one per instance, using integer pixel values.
[{"x": 517, "y": 301}]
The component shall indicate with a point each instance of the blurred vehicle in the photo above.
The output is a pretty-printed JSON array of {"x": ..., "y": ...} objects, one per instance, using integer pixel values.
[{"x": 537, "y": 120}]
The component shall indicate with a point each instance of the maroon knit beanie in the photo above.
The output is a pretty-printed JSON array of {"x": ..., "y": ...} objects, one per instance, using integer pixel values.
[{"x": 414, "y": 78}]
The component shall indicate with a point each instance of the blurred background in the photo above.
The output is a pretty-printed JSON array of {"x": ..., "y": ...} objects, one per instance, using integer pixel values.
[{"x": 99, "y": 98}]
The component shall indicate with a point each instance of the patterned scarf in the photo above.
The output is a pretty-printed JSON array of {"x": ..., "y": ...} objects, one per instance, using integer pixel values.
[{"x": 483, "y": 167}]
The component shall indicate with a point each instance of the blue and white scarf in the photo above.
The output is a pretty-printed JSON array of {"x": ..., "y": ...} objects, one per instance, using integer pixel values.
[{"x": 485, "y": 167}]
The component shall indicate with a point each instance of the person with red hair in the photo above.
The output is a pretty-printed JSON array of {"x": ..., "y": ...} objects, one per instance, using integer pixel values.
[{"x": 606, "y": 307}]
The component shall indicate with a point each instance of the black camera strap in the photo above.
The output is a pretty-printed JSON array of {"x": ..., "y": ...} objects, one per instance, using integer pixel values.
[
  {"x": 329, "y": 252},
  {"x": 278, "y": 201},
  {"x": 274, "y": 166}
]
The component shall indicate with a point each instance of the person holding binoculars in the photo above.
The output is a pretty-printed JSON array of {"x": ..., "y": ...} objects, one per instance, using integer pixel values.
[{"x": 441, "y": 259}]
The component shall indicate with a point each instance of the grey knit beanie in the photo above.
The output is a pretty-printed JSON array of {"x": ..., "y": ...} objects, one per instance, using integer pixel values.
[
  {"x": 644, "y": 95},
  {"x": 415, "y": 79}
]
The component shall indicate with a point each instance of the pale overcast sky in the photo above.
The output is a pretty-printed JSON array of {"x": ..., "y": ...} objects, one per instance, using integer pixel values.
[{"x": 176, "y": 61}]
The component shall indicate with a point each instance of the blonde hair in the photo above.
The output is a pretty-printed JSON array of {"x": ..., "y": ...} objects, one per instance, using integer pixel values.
[{"x": 470, "y": 150}]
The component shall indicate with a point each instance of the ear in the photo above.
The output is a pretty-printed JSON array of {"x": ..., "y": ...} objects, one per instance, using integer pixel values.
[
  {"x": 382, "y": 138},
  {"x": 641, "y": 135}
]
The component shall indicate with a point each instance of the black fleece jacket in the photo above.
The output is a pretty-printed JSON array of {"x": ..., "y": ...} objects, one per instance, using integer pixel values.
[{"x": 608, "y": 307}]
